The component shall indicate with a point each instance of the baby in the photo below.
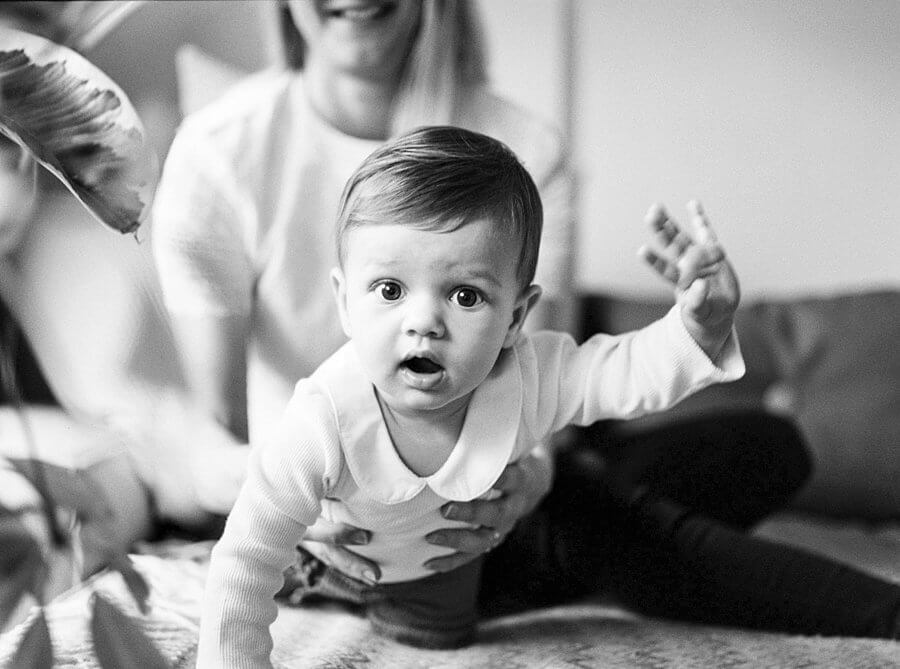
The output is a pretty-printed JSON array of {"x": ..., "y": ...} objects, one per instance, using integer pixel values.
[{"x": 439, "y": 389}]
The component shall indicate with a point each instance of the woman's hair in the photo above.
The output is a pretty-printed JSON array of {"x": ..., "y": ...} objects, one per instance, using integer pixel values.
[
  {"x": 440, "y": 178},
  {"x": 447, "y": 60}
]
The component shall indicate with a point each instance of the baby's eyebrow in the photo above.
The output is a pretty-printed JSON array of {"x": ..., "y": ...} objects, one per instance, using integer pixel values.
[
  {"x": 484, "y": 275},
  {"x": 454, "y": 273},
  {"x": 382, "y": 263}
]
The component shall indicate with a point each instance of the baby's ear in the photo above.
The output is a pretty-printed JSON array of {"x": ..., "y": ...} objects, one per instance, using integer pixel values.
[
  {"x": 339, "y": 287},
  {"x": 524, "y": 304}
]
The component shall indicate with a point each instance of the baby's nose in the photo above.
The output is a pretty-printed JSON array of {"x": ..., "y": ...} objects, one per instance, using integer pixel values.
[{"x": 424, "y": 318}]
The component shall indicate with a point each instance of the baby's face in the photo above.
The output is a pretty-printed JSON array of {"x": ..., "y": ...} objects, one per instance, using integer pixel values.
[{"x": 429, "y": 312}]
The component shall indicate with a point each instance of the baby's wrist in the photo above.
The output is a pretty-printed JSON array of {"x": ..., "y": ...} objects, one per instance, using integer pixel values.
[{"x": 711, "y": 340}]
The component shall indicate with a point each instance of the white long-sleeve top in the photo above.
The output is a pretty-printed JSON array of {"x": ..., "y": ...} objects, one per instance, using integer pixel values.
[{"x": 331, "y": 454}]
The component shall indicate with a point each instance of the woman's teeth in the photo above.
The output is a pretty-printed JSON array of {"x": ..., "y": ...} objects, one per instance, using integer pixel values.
[{"x": 361, "y": 13}]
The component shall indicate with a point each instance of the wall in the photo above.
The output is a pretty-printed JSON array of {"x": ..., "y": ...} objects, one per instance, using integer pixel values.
[
  {"x": 528, "y": 45},
  {"x": 783, "y": 117},
  {"x": 140, "y": 54}
]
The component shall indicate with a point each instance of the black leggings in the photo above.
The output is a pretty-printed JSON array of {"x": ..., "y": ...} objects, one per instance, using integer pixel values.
[{"x": 658, "y": 523}]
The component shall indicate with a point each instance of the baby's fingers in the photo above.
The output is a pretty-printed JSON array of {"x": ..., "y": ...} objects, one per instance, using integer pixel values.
[
  {"x": 696, "y": 262},
  {"x": 703, "y": 231},
  {"x": 669, "y": 237},
  {"x": 667, "y": 269}
]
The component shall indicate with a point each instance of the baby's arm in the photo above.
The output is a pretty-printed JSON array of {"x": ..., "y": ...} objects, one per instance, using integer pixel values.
[
  {"x": 280, "y": 498},
  {"x": 618, "y": 376},
  {"x": 706, "y": 286},
  {"x": 245, "y": 572}
]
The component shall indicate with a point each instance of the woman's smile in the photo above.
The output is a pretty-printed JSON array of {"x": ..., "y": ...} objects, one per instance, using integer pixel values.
[{"x": 358, "y": 11}]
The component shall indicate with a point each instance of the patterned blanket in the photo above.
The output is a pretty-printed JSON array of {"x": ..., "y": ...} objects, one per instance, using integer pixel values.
[{"x": 580, "y": 635}]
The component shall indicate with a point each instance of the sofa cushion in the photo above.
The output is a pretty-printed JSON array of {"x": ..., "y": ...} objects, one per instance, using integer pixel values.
[
  {"x": 840, "y": 359},
  {"x": 832, "y": 363}
]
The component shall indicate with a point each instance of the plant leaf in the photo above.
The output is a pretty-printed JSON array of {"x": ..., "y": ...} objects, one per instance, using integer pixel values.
[
  {"x": 135, "y": 581},
  {"x": 35, "y": 650},
  {"x": 75, "y": 489},
  {"x": 71, "y": 488},
  {"x": 119, "y": 641},
  {"x": 79, "y": 125},
  {"x": 22, "y": 566}
]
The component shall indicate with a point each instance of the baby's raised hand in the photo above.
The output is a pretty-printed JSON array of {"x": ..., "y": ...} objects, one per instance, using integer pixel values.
[{"x": 705, "y": 283}]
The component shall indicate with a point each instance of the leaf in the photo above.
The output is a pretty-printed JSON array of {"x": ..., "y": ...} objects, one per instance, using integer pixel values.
[
  {"x": 119, "y": 641},
  {"x": 135, "y": 581},
  {"x": 35, "y": 650},
  {"x": 22, "y": 566},
  {"x": 71, "y": 488},
  {"x": 78, "y": 124}
]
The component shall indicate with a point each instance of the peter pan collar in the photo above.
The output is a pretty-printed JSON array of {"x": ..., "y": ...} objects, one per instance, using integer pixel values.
[{"x": 483, "y": 450}]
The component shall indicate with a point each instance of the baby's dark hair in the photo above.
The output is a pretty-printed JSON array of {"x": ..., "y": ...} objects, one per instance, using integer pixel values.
[{"x": 440, "y": 178}]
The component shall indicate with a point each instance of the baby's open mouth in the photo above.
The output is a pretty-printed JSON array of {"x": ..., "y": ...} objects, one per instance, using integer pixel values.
[{"x": 422, "y": 366}]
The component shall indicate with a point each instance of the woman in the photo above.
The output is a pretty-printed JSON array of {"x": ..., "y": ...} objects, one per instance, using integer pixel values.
[
  {"x": 244, "y": 212},
  {"x": 243, "y": 238}
]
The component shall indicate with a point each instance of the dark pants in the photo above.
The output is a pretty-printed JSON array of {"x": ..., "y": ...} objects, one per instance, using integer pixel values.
[
  {"x": 659, "y": 524},
  {"x": 439, "y": 611}
]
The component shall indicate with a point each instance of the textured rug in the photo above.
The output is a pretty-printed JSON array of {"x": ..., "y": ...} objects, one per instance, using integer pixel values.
[{"x": 328, "y": 637}]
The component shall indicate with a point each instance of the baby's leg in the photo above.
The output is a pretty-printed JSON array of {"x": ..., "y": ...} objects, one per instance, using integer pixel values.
[{"x": 434, "y": 612}]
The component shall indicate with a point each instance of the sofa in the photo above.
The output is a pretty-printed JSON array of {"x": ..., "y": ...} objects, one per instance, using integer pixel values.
[{"x": 829, "y": 361}]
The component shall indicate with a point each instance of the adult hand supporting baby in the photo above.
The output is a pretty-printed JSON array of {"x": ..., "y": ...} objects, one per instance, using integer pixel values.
[
  {"x": 705, "y": 283},
  {"x": 330, "y": 541},
  {"x": 522, "y": 486}
]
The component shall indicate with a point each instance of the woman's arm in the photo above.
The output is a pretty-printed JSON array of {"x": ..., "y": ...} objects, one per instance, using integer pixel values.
[
  {"x": 199, "y": 226},
  {"x": 213, "y": 352}
]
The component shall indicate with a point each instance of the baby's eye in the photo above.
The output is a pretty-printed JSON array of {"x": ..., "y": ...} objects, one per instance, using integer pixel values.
[
  {"x": 390, "y": 290},
  {"x": 466, "y": 297}
]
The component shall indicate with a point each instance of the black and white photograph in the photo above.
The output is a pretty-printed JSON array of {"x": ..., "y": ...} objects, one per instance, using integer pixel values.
[{"x": 449, "y": 334}]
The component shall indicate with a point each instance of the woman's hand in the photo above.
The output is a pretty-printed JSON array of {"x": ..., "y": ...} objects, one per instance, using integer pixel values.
[
  {"x": 522, "y": 486},
  {"x": 326, "y": 541}
]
